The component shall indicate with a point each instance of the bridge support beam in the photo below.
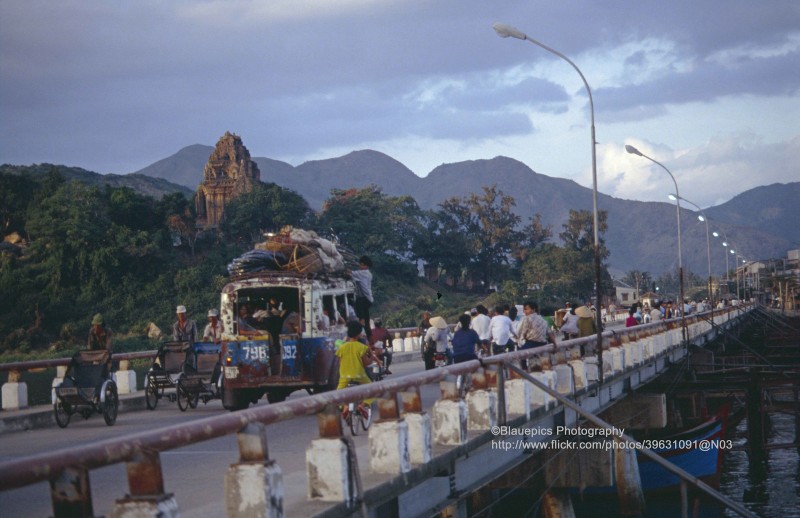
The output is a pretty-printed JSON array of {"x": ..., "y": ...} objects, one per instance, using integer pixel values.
[
  {"x": 146, "y": 485},
  {"x": 420, "y": 428},
  {"x": 557, "y": 504},
  {"x": 254, "y": 485},
  {"x": 15, "y": 392}
]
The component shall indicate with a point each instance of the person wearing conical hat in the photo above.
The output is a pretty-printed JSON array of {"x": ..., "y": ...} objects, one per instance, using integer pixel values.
[{"x": 586, "y": 323}]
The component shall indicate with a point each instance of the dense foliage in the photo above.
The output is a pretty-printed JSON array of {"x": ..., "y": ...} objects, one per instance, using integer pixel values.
[{"x": 79, "y": 249}]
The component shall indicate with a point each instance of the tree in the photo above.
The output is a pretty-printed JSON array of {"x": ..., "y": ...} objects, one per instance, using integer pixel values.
[
  {"x": 368, "y": 221},
  {"x": 559, "y": 273},
  {"x": 578, "y": 232},
  {"x": 641, "y": 280},
  {"x": 532, "y": 236},
  {"x": 266, "y": 208},
  {"x": 490, "y": 229}
]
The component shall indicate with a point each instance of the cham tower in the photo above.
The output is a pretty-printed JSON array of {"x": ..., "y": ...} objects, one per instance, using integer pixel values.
[{"x": 228, "y": 173}]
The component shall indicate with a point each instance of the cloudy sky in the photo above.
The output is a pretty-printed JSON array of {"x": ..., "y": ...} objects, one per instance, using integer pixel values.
[{"x": 710, "y": 88}]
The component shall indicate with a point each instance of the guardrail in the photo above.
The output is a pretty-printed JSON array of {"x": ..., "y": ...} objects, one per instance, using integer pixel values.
[{"x": 68, "y": 469}]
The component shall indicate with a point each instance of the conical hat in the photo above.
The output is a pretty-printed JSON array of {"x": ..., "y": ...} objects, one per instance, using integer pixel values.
[
  {"x": 438, "y": 323},
  {"x": 584, "y": 312}
]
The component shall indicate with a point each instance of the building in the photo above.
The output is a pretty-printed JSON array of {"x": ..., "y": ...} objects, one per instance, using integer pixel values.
[{"x": 229, "y": 173}]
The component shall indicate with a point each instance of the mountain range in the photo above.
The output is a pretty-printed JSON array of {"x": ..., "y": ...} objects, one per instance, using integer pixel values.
[{"x": 760, "y": 222}]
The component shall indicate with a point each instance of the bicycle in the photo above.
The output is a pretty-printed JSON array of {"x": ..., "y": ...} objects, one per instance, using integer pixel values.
[{"x": 356, "y": 415}]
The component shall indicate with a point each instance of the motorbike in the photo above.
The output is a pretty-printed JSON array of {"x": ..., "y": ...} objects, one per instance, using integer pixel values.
[{"x": 439, "y": 359}]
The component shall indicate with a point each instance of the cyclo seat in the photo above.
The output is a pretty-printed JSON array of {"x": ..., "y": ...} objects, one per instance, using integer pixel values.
[
  {"x": 88, "y": 368},
  {"x": 172, "y": 355}
]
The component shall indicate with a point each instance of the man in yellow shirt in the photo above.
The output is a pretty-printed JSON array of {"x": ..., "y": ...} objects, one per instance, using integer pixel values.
[{"x": 354, "y": 356}]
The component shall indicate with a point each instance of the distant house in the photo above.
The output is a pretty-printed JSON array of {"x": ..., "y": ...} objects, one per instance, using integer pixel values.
[
  {"x": 649, "y": 298},
  {"x": 625, "y": 296}
]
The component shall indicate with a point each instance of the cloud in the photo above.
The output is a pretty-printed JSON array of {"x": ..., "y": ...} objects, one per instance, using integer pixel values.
[{"x": 706, "y": 175}]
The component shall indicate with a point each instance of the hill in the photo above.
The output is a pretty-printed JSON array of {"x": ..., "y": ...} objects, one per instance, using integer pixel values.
[
  {"x": 641, "y": 235},
  {"x": 144, "y": 184}
]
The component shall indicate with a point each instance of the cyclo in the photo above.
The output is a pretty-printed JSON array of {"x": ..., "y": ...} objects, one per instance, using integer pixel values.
[
  {"x": 185, "y": 367},
  {"x": 87, "y": 388}
]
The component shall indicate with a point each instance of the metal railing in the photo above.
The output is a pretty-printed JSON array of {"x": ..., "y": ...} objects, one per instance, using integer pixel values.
[{"x": 141, "y": 451}]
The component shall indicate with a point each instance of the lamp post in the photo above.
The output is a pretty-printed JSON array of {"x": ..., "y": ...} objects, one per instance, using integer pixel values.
[
  {"x": 702, "y": 217},
  {"x": 506, "y": 31},
  {"x": 632, "y": 150},
  {"x": 725, "y": 244},
  {"x": 736, "y": 261}
]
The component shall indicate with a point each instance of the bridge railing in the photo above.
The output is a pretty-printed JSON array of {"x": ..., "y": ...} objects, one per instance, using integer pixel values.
[{"x": 68, "y": 470}]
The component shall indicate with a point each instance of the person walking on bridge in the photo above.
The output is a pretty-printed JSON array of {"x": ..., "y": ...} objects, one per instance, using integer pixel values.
[{"x": 533, "y": 329}]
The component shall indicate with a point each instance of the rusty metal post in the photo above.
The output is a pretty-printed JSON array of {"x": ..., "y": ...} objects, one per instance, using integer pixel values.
[
  {"x": 388, "y": 407},
  {"x": 330, "y": 422},
  {"x": 411, "y": 400},
  {"x": 72, "y": 494},
  {"x": 146, "y": 485},
  {"x": 448, "y": 388},
  {"x": 145, "y": 477}
]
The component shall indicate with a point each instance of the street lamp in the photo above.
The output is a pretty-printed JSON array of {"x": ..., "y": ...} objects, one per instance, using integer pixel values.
[
  {"x": 505, "y": 31},
  {"x": 725, "y": 244},
  {"x": 702, "y": 217},
  {"x": 632, "y": 150}
]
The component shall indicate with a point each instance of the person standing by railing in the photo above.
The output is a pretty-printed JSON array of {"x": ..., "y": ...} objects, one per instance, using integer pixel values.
[{"x": 99, "y": 335}]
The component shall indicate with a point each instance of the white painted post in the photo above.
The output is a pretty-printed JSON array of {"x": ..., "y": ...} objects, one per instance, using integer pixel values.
[
  {"x": 15, "y": 392},
  {"x": 450, "y": 422},
  {"x": 125, "y": 378},
  {"x": 481, "y": 410},
  {"x": 388, "y": 447},
  {"x": 328, "y": 472}
]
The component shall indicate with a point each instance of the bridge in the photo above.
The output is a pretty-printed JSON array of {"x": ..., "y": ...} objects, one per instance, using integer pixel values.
[{"x": 433, "y": 448}]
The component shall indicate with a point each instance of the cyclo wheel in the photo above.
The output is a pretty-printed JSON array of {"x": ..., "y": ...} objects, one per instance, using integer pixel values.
[
  {"x": 111, "y": 404},
  {"x": 63, "y": 413},
  {"x": 182, "y": 396},
  {"x": 151, "y": 395}
]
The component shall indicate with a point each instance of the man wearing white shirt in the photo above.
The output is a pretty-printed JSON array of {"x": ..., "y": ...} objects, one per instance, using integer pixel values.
[
  {"x": 481, "y": 325},
  {"x": 501, "y": 329}
]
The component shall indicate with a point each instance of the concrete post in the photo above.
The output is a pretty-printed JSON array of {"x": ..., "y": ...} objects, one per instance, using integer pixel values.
[
  {"x": 565, "y": 384},
  {"x": 61, "y": 371},
  {"x": 388, "y": 439},
  {"x": 579, "y": 374},
  {"x": 481, "y": 403},
  {"x": 15, "y": 392},
  {"x": 592, "y": 373},
  {"x": 254, "y": 485},
  {"x": 518, "y": 397},
  {"x": 125, "y": 378},
  {"x": 450, "y": 422},
  {"x": 328, "y": 471},
  {"x": 449, "y": 416},
  {"x": 420, "y": 428}
]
